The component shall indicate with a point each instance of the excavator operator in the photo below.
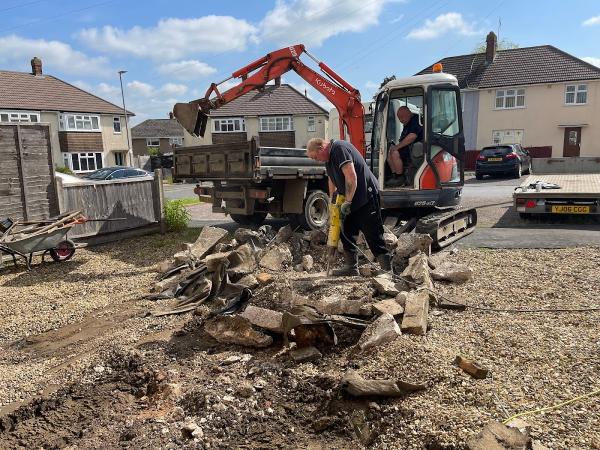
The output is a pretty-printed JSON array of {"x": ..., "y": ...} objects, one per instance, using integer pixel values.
[
  {"x": 350, "y": 176},
  {"x": 399, "y": 155}
]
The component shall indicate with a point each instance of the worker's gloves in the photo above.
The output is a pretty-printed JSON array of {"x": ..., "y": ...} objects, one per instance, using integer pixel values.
[{"x": 345, "y": 209}]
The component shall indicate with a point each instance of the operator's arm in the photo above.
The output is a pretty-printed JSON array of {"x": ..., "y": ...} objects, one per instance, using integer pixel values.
[
  {"x": 409, "y": 139},
  {"x": 349, "y": 180},
  {"x": 331, "y": 188}
]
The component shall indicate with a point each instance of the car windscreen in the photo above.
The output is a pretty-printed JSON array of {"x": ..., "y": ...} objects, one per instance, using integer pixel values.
[
  {"x": 100, "y": 174},
  {"x": 489, "y": 151}
]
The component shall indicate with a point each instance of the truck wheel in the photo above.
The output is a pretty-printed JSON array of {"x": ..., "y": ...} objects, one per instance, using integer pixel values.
[
  {"x": 253, "y": 220},
  {"x": 316, "y": 212}
]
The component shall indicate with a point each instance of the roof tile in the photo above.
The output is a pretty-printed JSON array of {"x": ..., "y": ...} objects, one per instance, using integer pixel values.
[{"x": 158, "y": 128}]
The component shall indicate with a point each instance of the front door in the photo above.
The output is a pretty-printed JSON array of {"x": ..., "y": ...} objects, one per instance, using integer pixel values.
[
  {"x": 572, "y": 141},
  {"x": 119, "y": 158}
]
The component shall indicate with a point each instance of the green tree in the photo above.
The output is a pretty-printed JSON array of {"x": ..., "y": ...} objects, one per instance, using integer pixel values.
[
  {"x": 503, "y": 44},
  {"x": 384, "y": 82}
]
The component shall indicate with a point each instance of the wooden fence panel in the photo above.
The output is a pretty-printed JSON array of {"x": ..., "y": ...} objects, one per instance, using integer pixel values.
[{"x": 132, "y": 200}]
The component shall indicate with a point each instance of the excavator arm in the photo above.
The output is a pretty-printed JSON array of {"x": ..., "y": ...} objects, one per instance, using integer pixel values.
[{"x": 193, "y": 116}]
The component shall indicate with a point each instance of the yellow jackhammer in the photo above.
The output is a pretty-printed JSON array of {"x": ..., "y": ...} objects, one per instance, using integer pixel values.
[{"x": 335, "y": 228}]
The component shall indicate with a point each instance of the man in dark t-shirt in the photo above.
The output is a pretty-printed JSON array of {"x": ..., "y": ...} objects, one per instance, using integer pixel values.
[
  {"x": 398, "y": 156},
  {"x": 350, "y": 176}
]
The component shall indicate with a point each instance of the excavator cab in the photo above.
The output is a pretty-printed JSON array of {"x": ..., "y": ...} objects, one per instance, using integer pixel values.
[{"x": 433, "y": 168}]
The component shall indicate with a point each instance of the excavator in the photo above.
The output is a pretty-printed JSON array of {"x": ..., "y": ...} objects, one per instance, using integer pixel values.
[{"x": 428, "y": 200}]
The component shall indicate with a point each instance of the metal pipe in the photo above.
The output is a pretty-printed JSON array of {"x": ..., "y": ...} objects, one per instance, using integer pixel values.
[{"x": 129, "y": 150}]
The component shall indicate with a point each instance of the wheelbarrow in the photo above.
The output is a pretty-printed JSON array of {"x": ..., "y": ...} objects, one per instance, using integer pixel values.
[{"x": 24, "y": 239}]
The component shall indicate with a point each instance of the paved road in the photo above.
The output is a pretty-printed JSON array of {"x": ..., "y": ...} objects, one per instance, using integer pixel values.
[{"x": 179, "y": 190}]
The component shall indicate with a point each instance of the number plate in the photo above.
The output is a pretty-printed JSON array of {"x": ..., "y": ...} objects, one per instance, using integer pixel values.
[
  {"x": 494, "y": 159},
  {"x": 570, "y": 209}
]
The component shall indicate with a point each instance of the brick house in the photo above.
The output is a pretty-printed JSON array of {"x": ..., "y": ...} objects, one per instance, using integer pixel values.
[
  {"x": 540, "y": 97},
  {"x": 279, "y": 115},
  {"x": 157, "y": 134},
  {"x": 86, "y": 132}
]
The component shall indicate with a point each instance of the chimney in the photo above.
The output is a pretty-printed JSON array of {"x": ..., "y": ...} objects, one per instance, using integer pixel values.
[
  {"x": 490, "y": 48},
  {"x": 278, "y": 81},
  {"x": 36, "y": 66},
  {"x": 171, "y": 115}
]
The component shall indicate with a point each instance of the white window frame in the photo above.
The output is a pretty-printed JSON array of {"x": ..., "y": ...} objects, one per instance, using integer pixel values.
[
  {"x": 76, "y": 123},
  {"x": 150, "y": 140},
  {"x": 311, "y": 127},
  {"x": 228, "y": 125},
  {"x": 577, "y": 89},
  {"x": 177, "y": 140},
  {"x": 88, "y": 156},
  {"x": 117, "y": 120},
  {"x": 510, "y": 93},
  {"x": 274, "y": 124},
  {"x": 503, "y": 136},
  {"x": 8, "y": 116}
]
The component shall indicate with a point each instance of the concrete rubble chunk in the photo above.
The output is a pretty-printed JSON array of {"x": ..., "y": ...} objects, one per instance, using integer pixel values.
[
  {"x": 182, "y": 257},
  {"x": 318, "y": 237},
  {"x": 308, "y": 262},
  {"x": 264, "y": 318},
  {"x": 216, "y": 260},
  {"x": 416, "y": 310},
  {"x": 236, "y": 330},
  {"x": 245, "y": 236},
  {"x": 410, "y": 243},
  {"x": 401, "y": 298},
  {"x": 498, "y": 436},
  {"x": 367, "y": 270},
  {"x": 383, "y": 330},
  {"x": 276, "y": 258},
  {"x": 384, "y": 285},
  {"x": 305, "y": 354},
  {"x": 249, "y": 281},
  {"x": 208, "y": 238},
  {"x": 451, "y": 271},
  {"x": 390, "y": 240},
  {"x": 471, "y": 367},
  {"x": 418, "y": 271},
  {"x": 389, "y": 306},
  {"x": 242, "y": 260},
  {"x": 165, "y": 266},
  {"x": 358, "y": 386},
  {"x": 264, "y": 278},
  {"x": 337, "y": 304},
  {"x": 283, "y": 235}
]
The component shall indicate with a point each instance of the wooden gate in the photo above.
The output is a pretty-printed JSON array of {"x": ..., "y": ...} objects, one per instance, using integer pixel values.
[{"x": 27, "y": 186}]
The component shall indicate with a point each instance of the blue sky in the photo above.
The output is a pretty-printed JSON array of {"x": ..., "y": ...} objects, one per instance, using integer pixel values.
[{"x": 174, "y": 49}]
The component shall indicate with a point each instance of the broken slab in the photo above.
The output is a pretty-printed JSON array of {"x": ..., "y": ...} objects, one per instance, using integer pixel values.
[
  {"x": 409, "y": 244},
  {"x": 308, "y": 262},
  {"x": 418, "y": 271},
  {"x": 245, "y": 236},
  {"x": 336, "y": 304},
  {"x": 305, "y": 354},
  {"x": 215, "y": 261},
  {"x": 471, "y": 367},
  {"x": 390, "y": 240},
  {"x": 385, "y": 285},
  {"x": 451, "y": 271},
  {"x": 182, "y": 257},
  {"x": 249, "y": 281},
  {"x": 383, "y": 330},
  {"x": 264, "y": 318},
  {"x": 264, "y": 278},
  {"x": 242, "y": 260},
  {"x": 208, "y": 238},
  {"x": 317, "y": 238},
  {"x": 416, "y": 310},
  {"x": 236, "y": 330},
  {"x": 358, "y": 386},
  {"x": 283, "y": 235},
  {"x": 496, "y": 436},
  {"x": 276, "y": 258},
  {"x": 388, "y": 306}
]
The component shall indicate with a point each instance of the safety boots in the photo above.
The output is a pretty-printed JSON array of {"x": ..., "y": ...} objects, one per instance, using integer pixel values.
[
  {"x": 350, "y": 267},
  {"x": 385, "y": 262}
]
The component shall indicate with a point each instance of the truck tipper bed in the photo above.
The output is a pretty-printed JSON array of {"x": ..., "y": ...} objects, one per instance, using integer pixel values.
[
  {"x": 560, "y": 186},
  {"x": 250, "y": 181}
]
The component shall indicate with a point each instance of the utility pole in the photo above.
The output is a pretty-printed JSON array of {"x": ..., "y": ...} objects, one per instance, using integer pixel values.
[{"x": 129, "y": 151}]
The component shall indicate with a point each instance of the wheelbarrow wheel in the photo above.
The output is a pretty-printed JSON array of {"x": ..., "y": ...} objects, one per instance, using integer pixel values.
[{"x": 63, "y": 251}]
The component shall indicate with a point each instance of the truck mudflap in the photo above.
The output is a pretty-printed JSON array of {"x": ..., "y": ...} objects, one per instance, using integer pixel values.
[{"x": 448, "y": 226}]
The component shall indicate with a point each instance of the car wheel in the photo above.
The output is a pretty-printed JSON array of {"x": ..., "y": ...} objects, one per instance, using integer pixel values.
[
  {"x": 519, "y": 172},
  {"x": 478, "y": 176}
]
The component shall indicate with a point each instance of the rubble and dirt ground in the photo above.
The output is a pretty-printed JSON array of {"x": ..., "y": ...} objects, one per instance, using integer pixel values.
[{"x": 84, "y": 366}]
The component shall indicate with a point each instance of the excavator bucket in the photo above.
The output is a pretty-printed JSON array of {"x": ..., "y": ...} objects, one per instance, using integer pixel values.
[{"x": 191, "y": 117}]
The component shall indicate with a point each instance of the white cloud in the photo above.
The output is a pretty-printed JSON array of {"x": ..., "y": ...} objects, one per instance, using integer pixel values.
[
  {"x": 441, "y": 25},
  {"x": 371, "y": 86},
  {"x": 173, "y": 38},
  {"x": 139, "y": 88},
  {"x": 55, "y": 55},
  {"x": 591, "y": 21},
  {"x": 397, "y": 19},
  {"x": 173, "y": 89},
  {"x": 186, "y": 70},
  {"x": 311, "y": 22},
  {"x": 592, "y": 60}
]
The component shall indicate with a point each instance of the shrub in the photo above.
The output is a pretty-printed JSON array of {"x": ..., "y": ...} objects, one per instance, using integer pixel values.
[
  {"x": 176, "y": 215},
  {"x": 65, "y": 170},
  {"x": 153, "y": 151}
]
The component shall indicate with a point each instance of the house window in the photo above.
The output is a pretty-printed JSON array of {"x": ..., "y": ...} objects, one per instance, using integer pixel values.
[
  {"x": 510, "y": 98},
  {"x": 176, "y": 141},
  {"x": 576, "y": 94},
  {"x": 285, "y": 123},
  {"x": 83, "y": 162},
  {"x": 117, "y": 125},
  {"x": 119, "y": 158},
  {"x": 19, "y": 116},
  {"x": 229, "y": 125},
  {"x": 152, "y": 142},
  {"x": 507, "y": 137},
  {"x": 311, "y": 124},
  {"x": 75, "y": 122}
]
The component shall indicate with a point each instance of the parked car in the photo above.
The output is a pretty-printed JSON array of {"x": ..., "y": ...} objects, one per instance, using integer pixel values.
[
  {"x": 506, "y": 159},
  {"x": 117, "y": 173}
]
